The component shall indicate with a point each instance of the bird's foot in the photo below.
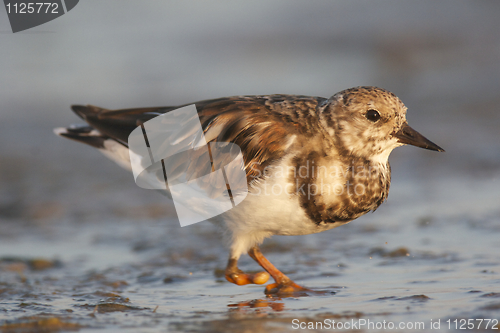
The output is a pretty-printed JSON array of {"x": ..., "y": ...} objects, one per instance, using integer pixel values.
[
  {"x": 286, "y": 289},
  {"x": 241, "y": 278}
]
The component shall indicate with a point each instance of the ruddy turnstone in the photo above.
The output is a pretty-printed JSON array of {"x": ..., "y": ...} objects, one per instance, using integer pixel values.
[{"x": 312, "y": 163}]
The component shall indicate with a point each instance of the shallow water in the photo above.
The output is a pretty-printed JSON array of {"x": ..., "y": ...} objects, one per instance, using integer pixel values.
[
  {"x": 82, "y": 248},
  {"x": 170, "y": 277}
]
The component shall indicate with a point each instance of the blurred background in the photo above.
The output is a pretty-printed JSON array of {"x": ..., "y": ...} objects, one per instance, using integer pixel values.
[{"x": 67, "y": 204}]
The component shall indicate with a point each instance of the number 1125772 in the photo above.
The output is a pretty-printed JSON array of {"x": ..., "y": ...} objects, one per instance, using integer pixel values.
[{"x": 33, "y": 7}]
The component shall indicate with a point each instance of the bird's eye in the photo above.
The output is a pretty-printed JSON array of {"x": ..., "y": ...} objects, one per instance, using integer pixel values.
[{"x": 372, "y": 115}]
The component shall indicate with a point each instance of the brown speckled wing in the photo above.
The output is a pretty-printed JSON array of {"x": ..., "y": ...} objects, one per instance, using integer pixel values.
[{"x": 262, "y": 126}]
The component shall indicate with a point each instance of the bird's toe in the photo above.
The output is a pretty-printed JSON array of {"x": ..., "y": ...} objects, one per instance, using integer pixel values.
[
  {"x": 241, "y": 278},
  {"x": 286, "y": 289}
]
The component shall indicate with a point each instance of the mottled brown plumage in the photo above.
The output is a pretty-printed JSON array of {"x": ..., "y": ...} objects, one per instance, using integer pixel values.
[{"x": 327, "y": 157}]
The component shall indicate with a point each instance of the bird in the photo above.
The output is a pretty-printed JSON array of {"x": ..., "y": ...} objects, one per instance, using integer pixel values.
[{"x": 311, "y": 163}]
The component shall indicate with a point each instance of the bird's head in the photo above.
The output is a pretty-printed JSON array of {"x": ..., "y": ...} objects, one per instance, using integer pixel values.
[{"x": 369, "y": 122}]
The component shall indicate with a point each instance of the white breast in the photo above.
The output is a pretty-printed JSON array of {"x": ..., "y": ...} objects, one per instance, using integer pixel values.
[{"x": 272, "y": 207}]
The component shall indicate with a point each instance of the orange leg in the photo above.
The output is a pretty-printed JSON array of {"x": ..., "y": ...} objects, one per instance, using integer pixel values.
[{"x": 283, "y": 284}]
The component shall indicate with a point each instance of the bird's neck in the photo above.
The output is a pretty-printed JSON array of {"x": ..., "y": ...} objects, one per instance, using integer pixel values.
[{"x": 381, "y": 158}]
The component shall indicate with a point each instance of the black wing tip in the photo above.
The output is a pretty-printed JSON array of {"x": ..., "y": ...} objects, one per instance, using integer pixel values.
[
  {"x": 84, "y": 111},
  {"x": 77, "y": 107},
  {"x": 80, "y": 110}
]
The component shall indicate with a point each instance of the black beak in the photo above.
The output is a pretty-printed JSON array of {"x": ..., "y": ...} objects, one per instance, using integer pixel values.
[{"x": 408, "y": 135}]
